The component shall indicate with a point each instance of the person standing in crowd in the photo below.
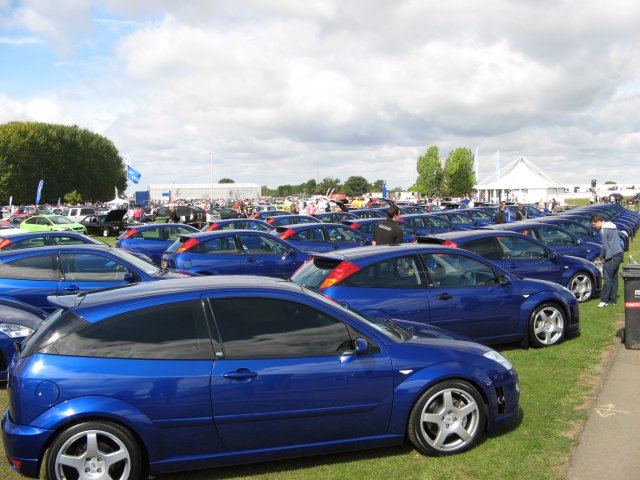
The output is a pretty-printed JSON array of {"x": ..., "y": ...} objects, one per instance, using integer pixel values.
[
  {"x": 387, "y": 232},
  {"x": 611, "y": 253},
  {"x": 521, "y": 213},
  {"x": 501, "y": 216},
  {"x": 173, "y": 215}
]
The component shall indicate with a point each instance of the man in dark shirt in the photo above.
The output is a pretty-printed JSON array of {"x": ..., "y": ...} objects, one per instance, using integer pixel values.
[{"x": 387, "y": 232}]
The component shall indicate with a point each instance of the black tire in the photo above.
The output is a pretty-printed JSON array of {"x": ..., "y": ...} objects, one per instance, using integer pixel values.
[
  {"x": 448, "y": 418},
  {"x": 79, "y": 452},
  {"x": 581, "y": 285},
  {"x": 547, "y": 325}
]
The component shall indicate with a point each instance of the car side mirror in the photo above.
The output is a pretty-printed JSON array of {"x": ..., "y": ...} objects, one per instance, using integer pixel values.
[
  {"x": 503, "y": 280},
  {"x": 578, "y": 242},
  {"x": 362, "y": 346},
  {"x": 551, "y": 255},
  {"x": 129, "y": 277}
]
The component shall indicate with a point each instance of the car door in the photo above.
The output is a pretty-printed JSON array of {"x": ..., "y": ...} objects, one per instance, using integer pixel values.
[
  {"x": 563, "y": 242},
  {"x": 466, "y": 296},
  {"x": 152, "y": 242},
  {"x": 311, "y": 239},
  {"x": 283, "y": 377},
  {"x": 267, "y": 255},
  {"x": 528, "y": 258}
]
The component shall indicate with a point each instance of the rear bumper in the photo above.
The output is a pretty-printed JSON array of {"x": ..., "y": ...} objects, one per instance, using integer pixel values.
[{"x": 24, "y": 445}]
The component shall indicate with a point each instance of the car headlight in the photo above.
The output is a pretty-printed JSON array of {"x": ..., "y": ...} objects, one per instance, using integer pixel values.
[
  {"x": 12, "y": 330},
  {"x": 496, "y": 357},
  {"x": 65, "y": 229}
]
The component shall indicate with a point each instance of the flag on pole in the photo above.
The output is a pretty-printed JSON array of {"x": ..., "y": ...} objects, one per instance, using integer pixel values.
[
  {"x": 498, "y": 165},
  {"x": 132, "y": 174},
  {"x": 384, "y": 189},
  {"x": 40, "y": 185}
]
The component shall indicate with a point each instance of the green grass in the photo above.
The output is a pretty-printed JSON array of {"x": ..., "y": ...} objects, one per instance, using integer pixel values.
[{"x": 557, "y": 385}]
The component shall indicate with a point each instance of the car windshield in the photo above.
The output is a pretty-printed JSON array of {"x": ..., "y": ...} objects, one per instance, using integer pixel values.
[
  {"x": 140, "y": 264},
  {"x": 57, "y": 220}
]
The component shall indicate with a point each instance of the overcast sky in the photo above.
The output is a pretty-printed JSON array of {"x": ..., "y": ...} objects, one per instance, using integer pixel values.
[{"x": 282, "y": 91}]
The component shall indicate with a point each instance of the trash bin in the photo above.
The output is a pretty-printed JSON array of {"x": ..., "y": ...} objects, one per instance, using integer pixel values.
[{"x": 631, "y": 276}]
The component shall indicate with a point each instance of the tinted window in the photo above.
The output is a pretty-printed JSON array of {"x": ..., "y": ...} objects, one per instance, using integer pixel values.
[
  {"x": 174, "y": 232},
  {"x": 259, "y": 245},
  {"x": 453, "y": 270},
  {"x": 150, "y": 234},
  {"x": 40, "y": 267},
  {"x": 64, "y": 240},
  {"x": 400, "y": 272},
  {"x": 314, "y": 272},
  {"x": 485, "y": 247},
  {"x": 270, "y": 328},
  {"x": 220, "y": 245},
  {"x": 26, "y": 243},
  {"x": 553, "y": 236},
  {"x": 172, "y": 331},
  {"x": 309, "y": 235},
  {"x": 344, "y": 235}
]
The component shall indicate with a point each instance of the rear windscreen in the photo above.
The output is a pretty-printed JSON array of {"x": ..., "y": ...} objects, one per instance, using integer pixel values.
[{"x": 313, "y": 273}]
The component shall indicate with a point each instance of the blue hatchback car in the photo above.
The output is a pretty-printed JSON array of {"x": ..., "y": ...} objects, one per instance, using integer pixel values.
[
  {"x": 17, "y": 241},
  {"x": 452, "y": 289},
  {"x": 238, "y": 224},
  {"x": 322, "y": 237},
  {"x": 524, "y": 255},
  {"x": 152, "y": 239},
  {"x": 209, "y": 371},
  {"x": 367, "y": 225},
  {"x": 31, "y": 274},
  {"x": 234, "y": 252}
]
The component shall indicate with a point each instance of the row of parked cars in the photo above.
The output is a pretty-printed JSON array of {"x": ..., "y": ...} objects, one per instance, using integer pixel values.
[{"x": 349, "y": 348}]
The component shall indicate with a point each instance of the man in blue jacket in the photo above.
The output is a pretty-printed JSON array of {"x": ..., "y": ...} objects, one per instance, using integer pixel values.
[{"x": 611, "y": 253}]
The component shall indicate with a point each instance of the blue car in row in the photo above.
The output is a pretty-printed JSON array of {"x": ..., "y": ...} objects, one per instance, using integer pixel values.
[
  {"x": 233, "y": 252},
  {"x": 525, "y": 256},
  {"x": 152, "y": 239},
  {"x": 31, "y": 274},
  {"x": 322, "y": 237},
  {"x": 209, "y": 371},
  {"x": 449, "y": 288}
]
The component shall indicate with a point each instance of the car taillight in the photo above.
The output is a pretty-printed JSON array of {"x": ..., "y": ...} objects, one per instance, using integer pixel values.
[
  {"x": 270, "y": 220},
  {"x": 286, "y": 234},
  {"x": 192, "y": 242},
  {"x": 342, "y": 271},
  {"x": 451, "y": 244},
  {"x": 255, "y": 215},
  {"x": 5, "y": 243},
  {"x": 130, "y": 233},
  {"x": 355, "y": 225},
  {"x": 213, "y": 226}
]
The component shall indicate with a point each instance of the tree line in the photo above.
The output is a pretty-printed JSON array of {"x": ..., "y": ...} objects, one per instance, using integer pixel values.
[{"x": 77, "y": 163}]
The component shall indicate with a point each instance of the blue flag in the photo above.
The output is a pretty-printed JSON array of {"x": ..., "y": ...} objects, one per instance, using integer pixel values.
[
  {"x": 133, "y": 174},
  {"x": 40, "y": 185},
  {"x": 384, "y": 189}
]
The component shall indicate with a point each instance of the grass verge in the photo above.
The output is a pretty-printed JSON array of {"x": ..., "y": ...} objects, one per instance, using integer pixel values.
[{"x": 558, "y": 386}]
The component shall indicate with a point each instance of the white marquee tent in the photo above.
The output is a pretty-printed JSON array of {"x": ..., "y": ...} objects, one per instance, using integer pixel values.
[{"x": 519, "y": 181}]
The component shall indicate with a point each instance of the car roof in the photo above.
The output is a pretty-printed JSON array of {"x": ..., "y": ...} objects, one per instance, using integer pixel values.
[
  {"x": 477, "y": 233},
  {"x": 384, "y": 250},
  {"x": 146, "y": 290},
  {"x": 150, "y": 226},
  {"x": 54, "y": 248}
]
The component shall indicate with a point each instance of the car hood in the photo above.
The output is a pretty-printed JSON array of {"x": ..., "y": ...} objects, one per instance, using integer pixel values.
[
  {"x": 115, "y": 215},
  {"x": 422, "y": 330}
]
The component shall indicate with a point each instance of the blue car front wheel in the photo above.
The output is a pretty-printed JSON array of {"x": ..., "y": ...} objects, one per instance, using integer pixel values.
[{"x": 448, "y": 418}]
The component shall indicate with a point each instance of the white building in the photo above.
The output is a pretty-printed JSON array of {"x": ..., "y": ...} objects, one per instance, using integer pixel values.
[{"x": 191, "y": 191}]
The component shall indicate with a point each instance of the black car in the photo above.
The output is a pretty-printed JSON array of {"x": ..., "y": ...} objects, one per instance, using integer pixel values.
[
  {"x": 186, "y": 214},
  {"x": 226, "y": 213},
  {"x": 106, "y": 224}
]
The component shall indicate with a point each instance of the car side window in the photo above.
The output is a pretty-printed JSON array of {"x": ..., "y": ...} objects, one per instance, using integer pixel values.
[
  {"x": 151, "y": 234},
  {"x": 217, "y": 245},
  {"x": 518, "y": 248},
  {"x": 275, "y": 328},
  {"x": 455, "y": 270},
  {"x": 399, "y": 272},
  {"x": 552, "y": 236},
  {"x": 64, "y": 240},
  {"x": 486, "y": 247},
  {"x": 89, "y": 267},
  {"x": 39, "y": 267},
  {"x": 173, "y": 233},
  {"x": 309, "y": 235},
  {"x": 26, "y": 243},
  {"x": 344, "y": 235},
  {"x": 171, "y": 331}
]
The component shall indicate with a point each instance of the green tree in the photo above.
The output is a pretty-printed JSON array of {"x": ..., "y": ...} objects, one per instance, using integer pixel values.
[
  {"x": 430, "y": 173},
  {"x": 357, "y": 185},
  {"x": 309, "y": 187},
  {"x": 226, "y": 180},
  {"x": 326, "y": 185},
  {"x": 377, "y": 186},
  {"x": 459, "y": 176},
  {"x": 67, "y": 158},
  {"x": 73, "y": 198}
]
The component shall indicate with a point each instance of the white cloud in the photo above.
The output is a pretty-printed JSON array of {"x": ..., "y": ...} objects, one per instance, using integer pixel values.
[{"x": 283, "y": 91}]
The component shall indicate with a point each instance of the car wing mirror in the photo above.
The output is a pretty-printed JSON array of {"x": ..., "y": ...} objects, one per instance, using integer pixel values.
[
  {"x": 362, "y": 346},
  {"x": 503, "y": 280},
  {"x": 129, "y": 277}
]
